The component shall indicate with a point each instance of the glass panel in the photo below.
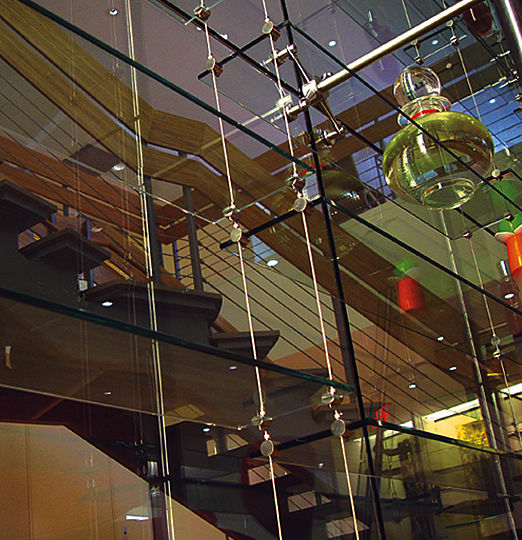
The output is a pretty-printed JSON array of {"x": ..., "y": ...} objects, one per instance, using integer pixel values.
[
  {"x": 51, "y": 468},
  {"x": 133, "y": 158},
  {"x": 425, "y": 486},
  {"x": 432, "y": 363}
]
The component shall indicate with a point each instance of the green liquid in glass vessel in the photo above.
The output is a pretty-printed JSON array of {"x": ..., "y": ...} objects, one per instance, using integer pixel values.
[{"x": 417, "y": 168}]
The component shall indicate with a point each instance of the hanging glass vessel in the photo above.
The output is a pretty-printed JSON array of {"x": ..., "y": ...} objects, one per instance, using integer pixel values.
[{"x": 417, "y": 168}]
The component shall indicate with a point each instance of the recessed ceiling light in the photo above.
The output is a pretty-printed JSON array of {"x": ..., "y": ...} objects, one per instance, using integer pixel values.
[
  {"x": 206, "y": 429},
  {"x": 492, "y": 100},
  {"x": 232, "y": 368},
  {"x": 107, "y": 303},
  {"x": 332, "y": 43},
  {"x": 440, "y": 338},
  {"x": 453, "y": 368},
  {"x": 113, "y": 12},
  {"x": 435, "y": 42},
  {"x": 108, "y": 393},
  {"x": 320, "y": 464},
  {"x": 509, "y": 295},
  {"x": 272, "y": 262},
  {"x": 118, "y": 167},
  {"x": 412, "y": 385}
]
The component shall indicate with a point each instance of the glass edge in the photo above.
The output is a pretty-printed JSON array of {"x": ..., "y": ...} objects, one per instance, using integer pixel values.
[{"x": 91, "y": 317}]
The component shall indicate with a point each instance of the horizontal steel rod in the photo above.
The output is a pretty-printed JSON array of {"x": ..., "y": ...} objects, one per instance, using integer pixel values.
[{"x": 395, "y": 43}]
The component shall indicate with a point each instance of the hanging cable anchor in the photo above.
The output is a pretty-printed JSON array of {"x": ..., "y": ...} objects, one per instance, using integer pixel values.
[
  {"x": 455, "y": 41},
  {"x": 270, "y": 29},
  {"x": 300, "y": 204},
  {"x": 267, "y": 448},
  {"x": 261, "y": 421},
  {"x": 280, "y": 57},
  {"x": 229, "y": 211},
  {"x": 236, "y": 234},
  {"x": 332, "y": 397},
  {"x": 297, "y": 183},
  {"x": 202, "y": 13},
  {"x": 213, "y": 65},
  {"x": 338, "y": 427}
]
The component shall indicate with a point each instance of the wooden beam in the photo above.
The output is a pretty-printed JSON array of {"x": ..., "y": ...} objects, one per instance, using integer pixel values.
[
  {"x": 96, "y": 188},
  {"x": 55, "y": 192}
]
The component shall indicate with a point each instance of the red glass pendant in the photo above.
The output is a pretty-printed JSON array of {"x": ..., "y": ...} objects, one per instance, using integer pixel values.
[
  {"x": 514, "y": 249},
  {"x": 410, "y": 294}
]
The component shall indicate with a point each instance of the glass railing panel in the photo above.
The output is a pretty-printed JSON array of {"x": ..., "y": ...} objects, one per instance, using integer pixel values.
[
  {"x": 62, "y": 486},
  {"x": 475, "y": 308},
  {"x": 88, "y": 357},
  {"x": 353, "y": 101},
  {"x": 469, "y": 486},
  {"x": 99, "y": 379},
  {"x": 425, "y": 486},
  {"x": 395, "y": 378}
]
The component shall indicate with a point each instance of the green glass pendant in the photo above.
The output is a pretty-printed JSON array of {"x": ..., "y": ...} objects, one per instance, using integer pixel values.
[{"x": 419, "y": 170}]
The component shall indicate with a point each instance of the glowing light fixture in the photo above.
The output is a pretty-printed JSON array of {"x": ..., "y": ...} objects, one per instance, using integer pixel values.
[
  {"x": 118, "y": 167},
  {"x": 138, "y": 513}
]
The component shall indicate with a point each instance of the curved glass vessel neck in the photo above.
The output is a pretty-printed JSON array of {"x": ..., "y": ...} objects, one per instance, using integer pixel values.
[{"x": 422, "y": 106}]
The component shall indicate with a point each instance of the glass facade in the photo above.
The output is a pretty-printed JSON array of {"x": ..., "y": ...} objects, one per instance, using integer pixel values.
[{"x": 218, "y": 320}]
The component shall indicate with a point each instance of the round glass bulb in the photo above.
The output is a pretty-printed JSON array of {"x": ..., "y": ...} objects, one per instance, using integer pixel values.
[
  {"x": 416, "y": 82},
  {"x": 417, "y": 163}
]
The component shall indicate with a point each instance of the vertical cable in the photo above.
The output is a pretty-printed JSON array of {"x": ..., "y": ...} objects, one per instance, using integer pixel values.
[
  {"x": 261, "y": 420},
  {"x": 160, "y": 405},
  {"x": 495, "y": 340},
  {"x": 300, "y": 205},
  {"x": 408, "y": 20}
]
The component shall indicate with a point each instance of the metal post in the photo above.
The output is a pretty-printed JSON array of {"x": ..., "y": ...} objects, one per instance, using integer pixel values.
[
  {"x": 175, "y": 254},
  {"x": 510, "y": 17},
  {"x": 88, "y": 235},
  {"x": 155, "y": 249},
  {"x": 484, "y": 402},
  {"x": 195, "y": 260}
]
